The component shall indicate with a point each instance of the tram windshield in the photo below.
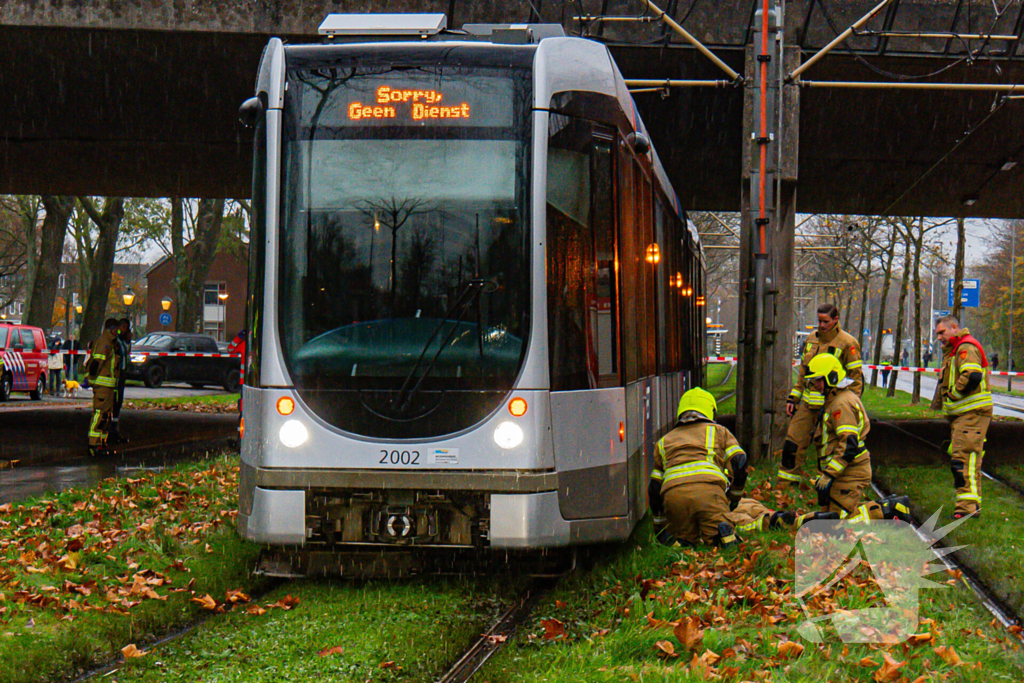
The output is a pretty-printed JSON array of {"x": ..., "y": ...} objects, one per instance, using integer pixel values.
[{"x": 404, "y": 285}]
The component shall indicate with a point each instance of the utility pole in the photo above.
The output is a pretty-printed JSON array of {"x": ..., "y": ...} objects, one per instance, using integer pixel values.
[{"x": 1013, "y": 288}]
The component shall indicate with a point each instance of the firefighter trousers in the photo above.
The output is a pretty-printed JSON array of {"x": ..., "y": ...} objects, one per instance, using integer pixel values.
[
  {"x": 848, "y": 488},
  {"x": 749, "y": 515},
  {"x": 694, "y": 511},
  {"x": 102, "y": 408},
  {"x": 967, "y": 449},
  {"x": 798, "y": 437}
]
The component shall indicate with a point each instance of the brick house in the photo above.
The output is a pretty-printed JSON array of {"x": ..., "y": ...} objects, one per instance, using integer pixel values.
[{"x": 224, "y": 292}]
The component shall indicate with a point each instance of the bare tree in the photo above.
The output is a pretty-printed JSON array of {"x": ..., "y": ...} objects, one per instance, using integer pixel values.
[
  {"x": 100, "y": 260},
  {"x": 890, "y": 239},
  {"x": 904, "y": 229},
  {"x": 958, "y": 267},
  {"x": 192, "y": 260},
  {"x": 53, "y": 233},
  {"x": 393, "y": 213}
]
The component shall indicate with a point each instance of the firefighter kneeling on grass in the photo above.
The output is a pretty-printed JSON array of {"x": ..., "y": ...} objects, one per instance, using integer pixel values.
[
  {"x": 103, "y": 370},
  {"x": 699, "y": 475},
  {"x": 847, "y": 470}
]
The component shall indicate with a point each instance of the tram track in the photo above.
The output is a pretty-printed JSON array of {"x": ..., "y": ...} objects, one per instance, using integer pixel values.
[
  {"x": 998, "y": 607},
  {"x": 477, "y": 654}
]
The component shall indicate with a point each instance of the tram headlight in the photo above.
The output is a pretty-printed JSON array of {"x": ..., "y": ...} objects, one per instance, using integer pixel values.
[
  {"x": 293, "y": 434},
  {"x": 508, "y": 435}
]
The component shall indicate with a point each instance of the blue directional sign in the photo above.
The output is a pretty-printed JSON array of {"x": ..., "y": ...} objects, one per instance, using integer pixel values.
[
  {"x": 165, "y": 318},
  {"x": 970, "y": 296}
]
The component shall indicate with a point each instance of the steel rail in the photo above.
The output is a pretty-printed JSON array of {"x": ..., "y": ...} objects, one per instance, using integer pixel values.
[
  {"x": 496, "y": 636},
  {"x": 880, "y": 85},
  {"x": 836, "y": 41},
  {"x": 693, "y": 41}
]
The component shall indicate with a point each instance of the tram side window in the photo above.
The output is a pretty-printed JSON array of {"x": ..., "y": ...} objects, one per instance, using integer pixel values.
[
  {"x": 628, "y": 266},
  {"x": 569, "y": 251},
  {"x": 603, "y": 304}
]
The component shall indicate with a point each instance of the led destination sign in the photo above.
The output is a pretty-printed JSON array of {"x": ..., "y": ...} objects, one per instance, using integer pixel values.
[{"x": 420, "y": 105}]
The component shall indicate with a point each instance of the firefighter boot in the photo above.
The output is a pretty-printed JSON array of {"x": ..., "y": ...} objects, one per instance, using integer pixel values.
[
  {"x": 788, "y": 474},
  {"x": 896, "y": 507},
  {"x": 779, "y": 518},
  {"x": 815, "y": 516},
  {"x": 726, "y": 535}
]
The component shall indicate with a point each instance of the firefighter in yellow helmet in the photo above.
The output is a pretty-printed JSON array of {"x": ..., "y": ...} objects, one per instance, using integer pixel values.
[
  {"x": 847, "y": 469},
  {"x": 699, "y": 475}
]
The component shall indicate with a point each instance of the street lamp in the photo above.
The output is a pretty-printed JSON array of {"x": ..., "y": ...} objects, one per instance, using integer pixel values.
[
  {"x": 223, "y": 296},
  {"x": 165, "y": 303},
  {"x": 128, "y": 297}
]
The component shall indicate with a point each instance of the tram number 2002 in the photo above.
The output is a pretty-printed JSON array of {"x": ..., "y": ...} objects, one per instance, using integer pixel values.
[{"x": 399, "y": 457}]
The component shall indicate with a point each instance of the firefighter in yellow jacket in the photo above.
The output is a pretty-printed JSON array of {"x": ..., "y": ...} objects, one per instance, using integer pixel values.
[
  {"x": 964, "y": 396},
  {"x": 804, "y": 403},
  {"x": 699, "y": 474},
  {"x": 103, "y": 370}
]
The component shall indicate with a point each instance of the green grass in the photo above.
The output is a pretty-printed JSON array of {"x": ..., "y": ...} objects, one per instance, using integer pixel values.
[
  {"x": 228, "y": 401},
  {"x": 994, "y": 545},
  {"x": 382, "y": 632},
  {"x": 74, "y": 566},
  {"x": 897, "y": 407},
  {"x": 614, "y": 618},
  {"x": 716, "y": 373}
]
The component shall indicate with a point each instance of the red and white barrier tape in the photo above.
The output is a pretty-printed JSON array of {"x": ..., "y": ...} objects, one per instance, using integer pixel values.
[
  {"x": 176, "y": 354},
  {"x": 895, "y": 368}
]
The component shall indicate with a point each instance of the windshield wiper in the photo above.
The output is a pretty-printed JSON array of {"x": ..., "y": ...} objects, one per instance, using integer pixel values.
[{"x": 474, "y": 287}]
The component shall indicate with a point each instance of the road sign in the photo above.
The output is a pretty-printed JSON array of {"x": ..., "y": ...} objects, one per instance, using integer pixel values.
[
  {"x": 165, "y": 318},
  {"x": 867, "y": 332},
  {"x": 940, "y": 314},
  {"x": 970, "y": 296}
]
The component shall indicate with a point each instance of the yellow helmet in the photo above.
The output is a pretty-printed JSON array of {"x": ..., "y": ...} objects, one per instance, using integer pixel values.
[
  {"x": 700, "y": 400},
  {"x": 828, "y": 366}
]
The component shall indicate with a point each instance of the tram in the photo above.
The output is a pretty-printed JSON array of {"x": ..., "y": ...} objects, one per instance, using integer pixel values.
[{"x": 474, "y": 300}]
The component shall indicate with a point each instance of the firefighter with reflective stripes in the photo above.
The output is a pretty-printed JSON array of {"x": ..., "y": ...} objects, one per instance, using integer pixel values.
[
  {"x": 804, "y": 403},
  {"x": 964, "y": 396},
  {"x": 103, "y": 369},
  {"x": 699, "y": 474},
  {"x": 844, "y": 426}
]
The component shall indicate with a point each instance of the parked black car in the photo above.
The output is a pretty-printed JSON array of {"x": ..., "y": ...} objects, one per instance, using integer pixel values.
[{"x": 154, "y": 370}]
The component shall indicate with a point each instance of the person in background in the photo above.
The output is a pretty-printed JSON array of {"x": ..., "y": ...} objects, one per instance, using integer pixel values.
[
  {"x": 803, "y": 405},
  {"x": 102, "y": 370},
  {"x": 54, "y": 369},
  {"x": 928, "y": 357},
  {"x": 963, "y": 395},
  {"x": 995, "y": 360},
  {"x": 124, "y": 340}
]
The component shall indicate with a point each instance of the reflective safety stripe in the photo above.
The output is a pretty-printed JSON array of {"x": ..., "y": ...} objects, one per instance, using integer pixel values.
[
  {"x": 968, "y": 496},
  {"x": 796, "y": 393},
  {"x": 973, "y": 402},
  {"x": 93, "y": 432},
  {"x": 99, "y": 356},
  {"x": 694, "y": 469},
  {"x": 970, "y": 366},
  {"x": 757, "y": 525},
  {"x": 733, "y": 450},
  {"x": 837, "y": 465},
  {"x": 709, "y": 443},
  {"x": 661, "y": 447},
  {"x": 972, "y": 475},
  {"x": 104, "y": 381},
  {"x": 814, "y": 399},
  {"x": 657, "y": 474},
  {"x": 847, "y": 429},
  {"x": 861, "y": 516},
  {"x": 853, "y": 365},
  {"x": 789, "y": 477}
]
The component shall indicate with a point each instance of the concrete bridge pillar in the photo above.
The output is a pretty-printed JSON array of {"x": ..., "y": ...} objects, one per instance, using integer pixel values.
[{"x": 766, "y": 321}]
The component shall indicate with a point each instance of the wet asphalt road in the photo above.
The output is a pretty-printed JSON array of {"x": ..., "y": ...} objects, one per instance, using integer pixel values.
[{"x": 44, "y": 448}]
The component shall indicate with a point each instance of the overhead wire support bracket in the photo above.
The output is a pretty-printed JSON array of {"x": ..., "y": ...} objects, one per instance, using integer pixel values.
[
  {"x": 838, "y": 40},
  {"x": 674, "y": 25}
]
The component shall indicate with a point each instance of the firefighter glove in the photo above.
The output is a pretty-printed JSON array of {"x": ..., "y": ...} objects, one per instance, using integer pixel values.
[{"x": 824, "y": 488}]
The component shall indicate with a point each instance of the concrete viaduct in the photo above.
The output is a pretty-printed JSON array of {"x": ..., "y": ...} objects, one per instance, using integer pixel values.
[{"x": 916, "y": 112}]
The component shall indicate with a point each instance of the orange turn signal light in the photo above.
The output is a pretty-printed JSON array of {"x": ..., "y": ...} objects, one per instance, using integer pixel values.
[
  {"x": 241, "y": 428},
  {"x": 517, "y": 407},
  {"x": 285, "y": 405},
  {"x": 622, "y": 432}
]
